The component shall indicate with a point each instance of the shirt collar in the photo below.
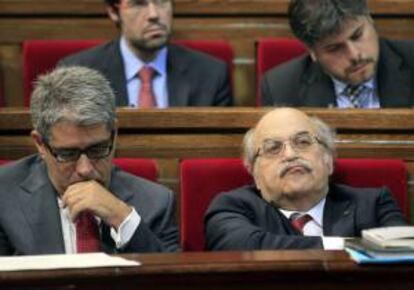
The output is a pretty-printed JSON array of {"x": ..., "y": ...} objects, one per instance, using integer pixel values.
[
  {"x": 133, "y": 64},
  {"x": 340, "y": 86},
  {"x": 315, "y": 212}
]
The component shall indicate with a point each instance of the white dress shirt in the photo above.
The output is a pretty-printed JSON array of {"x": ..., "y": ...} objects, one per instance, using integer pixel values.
[
  {"x": 314, "y": 227},
  {"x": 368, "y": 98},
  {"x": 121, "y": 236},
  {"x": 132, "y": 65}
]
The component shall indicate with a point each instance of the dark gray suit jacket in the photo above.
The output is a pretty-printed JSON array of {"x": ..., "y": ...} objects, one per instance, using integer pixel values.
[
  {"x": 242, "y": 220},
  {"x": 302, "y": 83},
  {"x": 194, "y": 78},
  {"x": 30, "y": 220}
]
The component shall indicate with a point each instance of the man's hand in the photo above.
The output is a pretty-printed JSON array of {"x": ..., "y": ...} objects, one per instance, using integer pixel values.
[{"x": 92, "y": 196}]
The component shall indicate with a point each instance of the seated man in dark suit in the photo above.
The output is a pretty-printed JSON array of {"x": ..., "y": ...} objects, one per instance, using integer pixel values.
[
  {"x": 292, "y": 204},
  {"x": 348, "y": 66},
  {"x": 69, "y": 198},
  {"x": 142, "y": 58}
]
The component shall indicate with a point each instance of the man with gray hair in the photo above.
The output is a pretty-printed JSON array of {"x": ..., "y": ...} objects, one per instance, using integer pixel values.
[
  {"x": 69, "y": 198},
  {"x": 292, "y": 205},
  {"x": 348, "y": 65}
]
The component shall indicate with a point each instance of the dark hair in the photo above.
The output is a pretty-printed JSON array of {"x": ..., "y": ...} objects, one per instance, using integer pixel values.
[
  {"x": 112, "y": 2},
  {"x": 313, "y": 20}
]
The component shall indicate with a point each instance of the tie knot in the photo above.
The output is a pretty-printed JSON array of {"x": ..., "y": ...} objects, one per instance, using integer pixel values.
[
  {"x": 146, "y": 73},
  {"x": 299, "y": 221},
  {"x": 352, "y": 92}
]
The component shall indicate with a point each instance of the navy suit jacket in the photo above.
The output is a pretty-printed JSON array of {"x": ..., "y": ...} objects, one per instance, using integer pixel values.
[
  {"x": 302, "y": 82},
  {"x": 30, "y": 221},
  {"x": 194, "y": 78},
  {"x": 243, "y": 220}
]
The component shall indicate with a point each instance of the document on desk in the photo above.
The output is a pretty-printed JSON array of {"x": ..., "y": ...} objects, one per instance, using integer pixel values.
[{"x": 63, "y": 261}]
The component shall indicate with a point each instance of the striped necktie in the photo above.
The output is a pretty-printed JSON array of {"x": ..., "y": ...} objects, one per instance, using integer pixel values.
[
  {"x": 299, "y": 221},
  {"x": 353, "y": 92}
]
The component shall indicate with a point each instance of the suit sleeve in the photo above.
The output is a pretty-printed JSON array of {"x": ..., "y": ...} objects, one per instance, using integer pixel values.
[
  {"x": 265, "y": 93},
  {"x": 387, "y": 210},
  {"x": 231, "y": 225},
  {"x": 159, "y": 236},
  {"x": 223, "y": 95}
]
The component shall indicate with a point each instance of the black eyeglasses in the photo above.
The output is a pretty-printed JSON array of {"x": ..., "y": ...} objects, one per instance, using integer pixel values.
[
  {"x": 300, "y": 142},
  {"x": 94, "y": 152}
]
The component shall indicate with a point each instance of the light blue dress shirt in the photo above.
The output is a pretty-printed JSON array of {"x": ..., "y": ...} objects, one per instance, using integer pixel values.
[
  {"x": 368, "y": 98},
  {"x": 133, "y": 64}
]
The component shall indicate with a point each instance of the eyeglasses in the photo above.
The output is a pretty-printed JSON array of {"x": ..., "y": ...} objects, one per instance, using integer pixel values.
[
  {"x": 94, "y": 152},
  {"x": 300, "y": 142},
  {"x": 144, "y": 3}
]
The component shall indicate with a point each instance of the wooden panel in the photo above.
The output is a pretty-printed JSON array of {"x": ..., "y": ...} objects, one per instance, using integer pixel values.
[{"x": 185, "y": 7}]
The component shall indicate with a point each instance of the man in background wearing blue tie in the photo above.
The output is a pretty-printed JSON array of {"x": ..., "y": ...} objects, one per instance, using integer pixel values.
[
  {"x": 348, "y": 65},
  {"x": 145, "y": 70}
]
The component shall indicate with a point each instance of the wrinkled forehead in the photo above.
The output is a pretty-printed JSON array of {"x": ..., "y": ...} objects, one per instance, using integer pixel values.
[{"x": 282, "y": 124}]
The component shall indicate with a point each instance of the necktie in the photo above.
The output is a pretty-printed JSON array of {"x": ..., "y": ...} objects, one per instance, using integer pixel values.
[
  {"x": 299, "y": 221},
  {"x": 87, "y": 233},
  {"x": 146, "y": 93},
  {"x": 352, "y": 92}
]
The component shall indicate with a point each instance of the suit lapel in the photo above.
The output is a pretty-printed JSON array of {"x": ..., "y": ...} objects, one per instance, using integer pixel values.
[
  {"x": 40, "y": 208},
  {"x": 338, "y": 216},
  {"x": 113, "y": 68},
  {"x": 179, "y": 87},
  {"x": 394, "y": 87},
  {"x": 317, "y": 89}
]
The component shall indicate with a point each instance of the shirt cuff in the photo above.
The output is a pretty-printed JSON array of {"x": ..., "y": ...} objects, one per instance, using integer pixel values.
[
  {"x": 126, "y": 229},
  {"x": 333, "y": 243}
]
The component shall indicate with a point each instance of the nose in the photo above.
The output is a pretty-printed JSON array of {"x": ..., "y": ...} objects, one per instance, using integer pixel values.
[
  {"x": 152, "y": 10},
  {"x": 84, "y": 166},
  {"x": 288, "y": 151},
  {"x": 353, "y": 52}
]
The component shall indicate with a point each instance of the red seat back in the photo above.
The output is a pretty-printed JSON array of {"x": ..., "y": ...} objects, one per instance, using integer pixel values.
[
  {"x": 41, "y": 56},
  {"x": 271, "y": 52},
  {"x": 146, "y": 168},
  {"x": 203, "y": 179}
]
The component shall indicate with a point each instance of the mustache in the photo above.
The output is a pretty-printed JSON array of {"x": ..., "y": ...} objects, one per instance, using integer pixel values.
[
  {"x": 156, "y": 25},
  {"x": 357, "y": 63},
  {"x": 291, "y": 164}
]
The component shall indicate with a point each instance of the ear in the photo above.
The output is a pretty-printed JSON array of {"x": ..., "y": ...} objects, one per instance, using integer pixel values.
[
  {"x": 37, "y": 139},
  {"x": 329, "y": 160},
  {"x": 113, "y": 13}
]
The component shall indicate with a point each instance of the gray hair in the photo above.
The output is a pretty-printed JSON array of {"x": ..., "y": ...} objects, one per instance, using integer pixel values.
[
  {"x": 325, "y": 133},
  {"x": 313, "y": 20},
  {"x": 75, "y": 94}
]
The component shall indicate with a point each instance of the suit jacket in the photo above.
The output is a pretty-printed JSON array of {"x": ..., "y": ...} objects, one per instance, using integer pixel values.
[
  {"x": 30, "y": 220},
  {"x": 194, "y": 78},
  {"x": 301, "y": 82},
  {"x": 243, "y": 220}
]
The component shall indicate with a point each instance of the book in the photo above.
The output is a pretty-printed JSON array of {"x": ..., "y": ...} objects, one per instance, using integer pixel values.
[{"x": 393, "y": 238}]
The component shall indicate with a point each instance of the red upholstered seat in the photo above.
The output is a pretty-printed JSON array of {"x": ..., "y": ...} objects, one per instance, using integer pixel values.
[
  {"x": 202, "y": 179},
  {"x": 271, "y": 52},
  {"x": 41, "y": 56},
  {"x": 146, "y": 168}
]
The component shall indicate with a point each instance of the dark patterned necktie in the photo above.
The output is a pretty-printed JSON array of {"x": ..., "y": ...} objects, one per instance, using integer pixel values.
[
  {"x": 353, "y": 92},
  {"x": 146, "y": 93},
  {"x": 87, "y": 233},
  {"x": 299, "y": 221}
]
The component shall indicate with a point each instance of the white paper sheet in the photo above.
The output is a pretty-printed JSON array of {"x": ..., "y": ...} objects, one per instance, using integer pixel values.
[{"x": 63, "y": 261}]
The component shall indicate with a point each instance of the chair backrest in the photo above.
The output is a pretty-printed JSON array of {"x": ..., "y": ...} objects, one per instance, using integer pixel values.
[
  {"x": 271, "y": 52},
  {"x": 41, "y": 56},
  {"x": 203, "y": 179},
  {"x": 146, "y": 168},
  {"x": 220, "y": 49}
]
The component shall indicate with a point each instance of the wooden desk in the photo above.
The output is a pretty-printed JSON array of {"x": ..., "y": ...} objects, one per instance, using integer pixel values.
[{"x": 311, "y": 269}]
